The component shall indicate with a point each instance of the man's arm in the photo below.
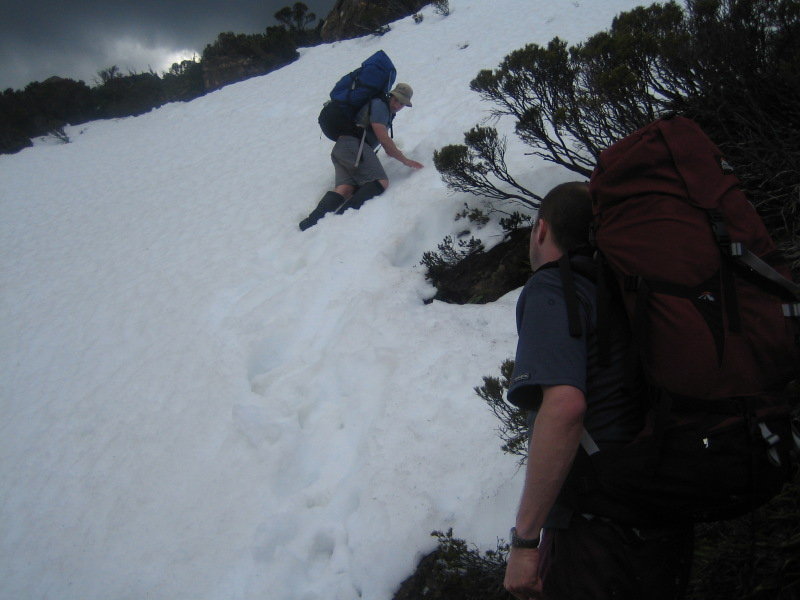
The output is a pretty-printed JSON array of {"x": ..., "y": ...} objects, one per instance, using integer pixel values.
[
  {"x": 382, "y": 133},
  {"x": 556, "y": 437}
]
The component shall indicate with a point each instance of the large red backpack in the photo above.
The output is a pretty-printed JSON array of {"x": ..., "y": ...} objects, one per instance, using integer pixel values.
[{"x": 715, "y": 333}]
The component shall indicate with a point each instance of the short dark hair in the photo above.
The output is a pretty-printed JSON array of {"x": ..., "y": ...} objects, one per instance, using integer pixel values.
[{"x": 568, "y": 210}]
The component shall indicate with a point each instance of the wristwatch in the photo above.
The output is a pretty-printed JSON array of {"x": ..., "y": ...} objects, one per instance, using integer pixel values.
[{"x": 518, "y": 542}]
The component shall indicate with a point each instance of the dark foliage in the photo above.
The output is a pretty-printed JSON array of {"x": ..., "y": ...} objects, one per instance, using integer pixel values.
[
  {"x": 513, "y": 429},
  {"x": 355, "y": 18},
  {"x": 474, "y": 167},
  {"x": 469, "y": 275},
  {"x": 128, "y": 95},
  {"x": 270, "y": 48},
  {"x": 732, "y": 65},
  {"x": 183, "y": 81},
  {"x": 456, "y": 571},
  {"x": 755, "y": 557},
  {"x": 40, "y": 108},
  {"x": 448, "y": 255}
]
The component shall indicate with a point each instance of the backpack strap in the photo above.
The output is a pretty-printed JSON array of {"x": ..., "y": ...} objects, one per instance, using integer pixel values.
[
  {"x": 725, "y": 244},
  {"x": 757, "y": 265},
  {"x": 567, "y": 267},
  {"x": 737, "y": 253},
  {"x": 570, "y": 296}
]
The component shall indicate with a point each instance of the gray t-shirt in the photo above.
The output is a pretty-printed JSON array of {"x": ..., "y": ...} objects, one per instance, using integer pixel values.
[
  {"x": 547, "y": 355},
  {"x": 375, "y": 111}
]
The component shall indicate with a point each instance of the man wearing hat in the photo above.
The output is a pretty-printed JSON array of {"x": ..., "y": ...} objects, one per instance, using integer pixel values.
[{"x": 359, "y": 173}]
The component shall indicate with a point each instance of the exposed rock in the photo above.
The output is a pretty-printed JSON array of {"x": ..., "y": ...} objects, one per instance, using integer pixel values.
[{"x": 486, "y": 276}]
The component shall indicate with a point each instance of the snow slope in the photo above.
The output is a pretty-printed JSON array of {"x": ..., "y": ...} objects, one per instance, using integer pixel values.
[{"x": 198, "y": 400}]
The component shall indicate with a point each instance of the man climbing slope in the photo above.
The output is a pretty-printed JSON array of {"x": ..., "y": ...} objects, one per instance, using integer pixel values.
[{"x": 359, "y": 174}]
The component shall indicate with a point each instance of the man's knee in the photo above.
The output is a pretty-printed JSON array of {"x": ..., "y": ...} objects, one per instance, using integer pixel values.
[
  {"x": 384, "y": 183},
  {"x": 345, "y": 190}
]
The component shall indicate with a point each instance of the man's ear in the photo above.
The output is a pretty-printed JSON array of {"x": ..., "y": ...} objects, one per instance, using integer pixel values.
[{"x": 542, "y": 231}]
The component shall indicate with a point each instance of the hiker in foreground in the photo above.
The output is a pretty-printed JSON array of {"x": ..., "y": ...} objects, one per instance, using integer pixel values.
[
  {"x": 658, "y": 373},
  {"x": 359, "y": 174},
  {"x": 558, "y": 378}
]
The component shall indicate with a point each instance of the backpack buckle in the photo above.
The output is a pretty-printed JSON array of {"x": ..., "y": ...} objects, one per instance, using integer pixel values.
[
  {"x": 723, "y": 236},
  {"x": 791, "y": 310},
  {"x": 772, "y": 440}
]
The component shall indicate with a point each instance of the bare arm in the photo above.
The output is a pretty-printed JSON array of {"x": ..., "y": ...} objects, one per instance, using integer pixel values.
[
  {"x": 556, "y": 436},
  {"x": 382, "y": 133}
]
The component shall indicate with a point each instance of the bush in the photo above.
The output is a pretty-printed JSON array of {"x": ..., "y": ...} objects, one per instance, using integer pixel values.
[
  {"x": 513, "y": 429},
  {"x": 441, "y": 7},
  {"x": 127, "y": 95},
  {"x": 183, "y": 81},
  {"x": 456, "y": 570},
  {"x": 448, "y": 255}
]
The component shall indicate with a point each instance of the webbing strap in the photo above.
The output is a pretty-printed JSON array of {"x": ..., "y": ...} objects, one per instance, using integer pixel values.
[
  {"x": 570, "y": 297},
  {"x": 360, "y": 147},
  {"x": 728, "y": 249},
  {"x": 753, "y": 262},
  {"x": 603, "y": 328},
  {"x": 588, "y": 443}
]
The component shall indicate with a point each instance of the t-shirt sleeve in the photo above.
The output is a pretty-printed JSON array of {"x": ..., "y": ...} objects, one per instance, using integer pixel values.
[
  {"x": 546, "y": 353},
  {"x": 379, "y": 112}
]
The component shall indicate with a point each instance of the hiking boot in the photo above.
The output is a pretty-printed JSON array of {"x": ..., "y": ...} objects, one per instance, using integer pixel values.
[{"x": 329, "y": 203}]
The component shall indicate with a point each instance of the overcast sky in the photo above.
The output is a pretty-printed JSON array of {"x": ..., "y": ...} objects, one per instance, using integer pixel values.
[{"x": 77, "y": 38}]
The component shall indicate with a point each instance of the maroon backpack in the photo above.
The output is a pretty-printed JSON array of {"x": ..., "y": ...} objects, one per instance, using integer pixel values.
[{"x": 715, "y": 334}]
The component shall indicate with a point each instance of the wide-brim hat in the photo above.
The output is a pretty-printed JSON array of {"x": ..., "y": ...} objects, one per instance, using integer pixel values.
[{"x": 403, "y": 93}]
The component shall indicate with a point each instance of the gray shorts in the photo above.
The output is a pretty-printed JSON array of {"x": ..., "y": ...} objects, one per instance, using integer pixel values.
[{"x": 343, "y": 157}]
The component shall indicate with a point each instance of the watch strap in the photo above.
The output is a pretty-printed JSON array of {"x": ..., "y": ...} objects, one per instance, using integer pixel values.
[{"x": 518, "y": 542}]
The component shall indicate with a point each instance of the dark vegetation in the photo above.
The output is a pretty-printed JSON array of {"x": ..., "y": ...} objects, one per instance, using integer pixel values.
[
  {"x": 733, "y": 66},
  {"x": 356, "y": 18},
  {"x": 45, "y": 107},
  {"x": 463, "y": 272}
]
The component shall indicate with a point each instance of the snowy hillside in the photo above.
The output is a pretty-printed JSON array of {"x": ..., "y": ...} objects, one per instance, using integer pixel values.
[{"x": 199, "y": 401}]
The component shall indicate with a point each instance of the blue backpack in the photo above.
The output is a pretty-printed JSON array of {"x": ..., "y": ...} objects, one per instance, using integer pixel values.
[{"x": 373, "y": 79}]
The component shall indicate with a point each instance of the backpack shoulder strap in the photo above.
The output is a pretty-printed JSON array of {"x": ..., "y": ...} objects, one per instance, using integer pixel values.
[
  {"x": 567, "y": 266},
  {"x": 570, "y": 296}
]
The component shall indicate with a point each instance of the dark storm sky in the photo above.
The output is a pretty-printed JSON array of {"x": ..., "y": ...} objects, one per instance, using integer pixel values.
[{"x": 77, "y": 38}]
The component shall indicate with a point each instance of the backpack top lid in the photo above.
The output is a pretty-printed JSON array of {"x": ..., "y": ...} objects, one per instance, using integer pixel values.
[{"x": 373, "y": 78}]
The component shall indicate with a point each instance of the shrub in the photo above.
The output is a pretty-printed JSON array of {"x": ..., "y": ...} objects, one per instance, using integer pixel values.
[
  {"x": 456, "y": 570},
  {"x": 183, "y": 81},
  {"x": 297, "y": 19},
  {"x": 474, "y": 167},
  {"x": 448, "y": 255},
  {"x": 513, "y": 428},
  {"x": 127, "y": 95},
  {"x": 441, "y": 7}
]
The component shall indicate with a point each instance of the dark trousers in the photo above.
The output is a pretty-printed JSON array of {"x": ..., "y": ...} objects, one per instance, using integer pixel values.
[{"x": 597, "y": 559}]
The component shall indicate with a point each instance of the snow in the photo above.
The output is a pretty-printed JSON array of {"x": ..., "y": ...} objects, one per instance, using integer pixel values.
[{"x": 201, "y": 402}]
